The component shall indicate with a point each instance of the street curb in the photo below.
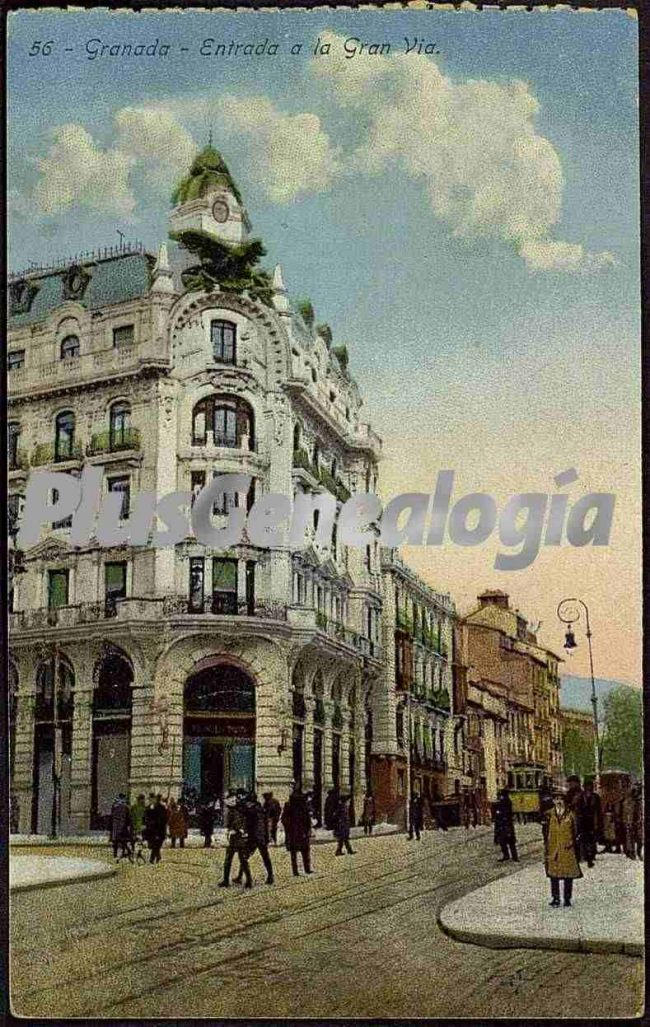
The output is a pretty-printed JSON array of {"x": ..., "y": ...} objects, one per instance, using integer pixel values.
[
  {"x": 496, "y": 941},
  {"x": 39, "y": 842},
  {"x": 95, "y": 875}
]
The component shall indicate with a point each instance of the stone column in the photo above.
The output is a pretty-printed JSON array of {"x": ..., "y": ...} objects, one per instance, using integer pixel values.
[
  {"x": 23, "y": 783},
  {"x": 156, "y": 742},
  {"x": 308, "y": 744},
  {"x": 81, "y": 756},
  {"x": 327, "y": 746},
  {"x": 345, "y": 751}
]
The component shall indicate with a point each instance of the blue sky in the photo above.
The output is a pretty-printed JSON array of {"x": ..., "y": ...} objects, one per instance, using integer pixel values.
[{"x": 509, "y": 354}]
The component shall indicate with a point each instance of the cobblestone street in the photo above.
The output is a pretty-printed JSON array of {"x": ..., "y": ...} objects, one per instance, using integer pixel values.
[{"x": 359, "y": 938}]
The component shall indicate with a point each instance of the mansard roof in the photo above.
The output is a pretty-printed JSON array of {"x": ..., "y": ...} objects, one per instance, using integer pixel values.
[{"x": 115, "y": 280}]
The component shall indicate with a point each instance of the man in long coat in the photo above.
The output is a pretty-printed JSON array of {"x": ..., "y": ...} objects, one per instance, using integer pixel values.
[
  {"x": 342, "y": 826},
  {"x": 368, "y": 814},
  {"x": 273, "y": 812},
  {"x": 257, "y": 833},
  {"x": 416, "y": 816},
  {"x": 297, "y": 829},
  {"x": 589, "y": 822},
  {"x": 121, "y": 832},
  {"x": 561, "y": 849},
  {"x": 155, "y": 826},
  {"x": 504, "y": 828}
]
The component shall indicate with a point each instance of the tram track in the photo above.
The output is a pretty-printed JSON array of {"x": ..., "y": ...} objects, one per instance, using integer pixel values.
[{"x": 405, "y": 874}]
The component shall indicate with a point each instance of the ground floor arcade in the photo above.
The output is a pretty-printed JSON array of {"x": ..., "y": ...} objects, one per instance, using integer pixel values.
[{"x": 200, "y": 712}]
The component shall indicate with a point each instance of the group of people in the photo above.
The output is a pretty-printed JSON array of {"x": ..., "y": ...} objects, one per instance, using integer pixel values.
[
  {"x": 144, "y": 821},
  {"x": 573, "y": 823}
]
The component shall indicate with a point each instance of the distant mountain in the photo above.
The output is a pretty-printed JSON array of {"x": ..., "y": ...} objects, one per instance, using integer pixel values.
[{"x": 575, "y": 692}]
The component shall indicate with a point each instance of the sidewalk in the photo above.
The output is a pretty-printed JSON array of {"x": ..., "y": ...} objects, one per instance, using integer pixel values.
[
  {"x": 28, "y": 872},
  {"x": 194, "y": 839},
  {"x": 514, "y": 912}
]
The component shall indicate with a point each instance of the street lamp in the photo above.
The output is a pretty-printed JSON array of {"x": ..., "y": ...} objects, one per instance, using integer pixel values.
[
  {"x": 406, "y": 702},
  {"x": 569, "y": 613}
]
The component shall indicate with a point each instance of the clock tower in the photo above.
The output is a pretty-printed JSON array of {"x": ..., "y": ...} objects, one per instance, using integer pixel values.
[{"x": 208, "y": 200}]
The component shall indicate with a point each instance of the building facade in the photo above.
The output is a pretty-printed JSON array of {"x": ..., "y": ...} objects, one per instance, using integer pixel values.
[
  {"x": 517, "y": 729},
  {"x": 415, "y": 744},
  {"x": 141, "y": 668}
]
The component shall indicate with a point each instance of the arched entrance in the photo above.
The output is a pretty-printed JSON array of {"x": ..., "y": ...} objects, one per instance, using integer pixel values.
[
  {"x": 53, "y": 709},
  {"x": 111, "y": 751},
  {"x": 218, "y": 730}
]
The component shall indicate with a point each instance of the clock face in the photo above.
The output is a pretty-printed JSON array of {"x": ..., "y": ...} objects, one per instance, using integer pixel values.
[{"x": 220, "y": 211}]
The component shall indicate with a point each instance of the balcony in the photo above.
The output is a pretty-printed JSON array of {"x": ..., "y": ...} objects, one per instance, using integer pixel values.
[
  {"x": 114, "y": 442},
  {"x": 47, "y": 453},
  {"x": 87, "y": 367}
]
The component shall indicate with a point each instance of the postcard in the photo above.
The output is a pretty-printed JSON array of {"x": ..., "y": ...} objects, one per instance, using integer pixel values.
[{"x": 324, "y": 512}]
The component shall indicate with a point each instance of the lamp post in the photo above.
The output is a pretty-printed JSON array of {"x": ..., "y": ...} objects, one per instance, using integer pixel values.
[
  {"x": 569, "y": 615},
  {"x": 406, "y": 703}
]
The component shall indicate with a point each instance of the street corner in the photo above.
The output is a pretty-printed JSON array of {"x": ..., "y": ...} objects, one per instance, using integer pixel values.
[
  {"x": 515, "y": 912},
  {"x": 28, "y": 872}
]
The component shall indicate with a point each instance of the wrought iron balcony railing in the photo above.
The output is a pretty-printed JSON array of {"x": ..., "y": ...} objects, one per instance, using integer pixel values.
[{"x": 114, "y": 442}]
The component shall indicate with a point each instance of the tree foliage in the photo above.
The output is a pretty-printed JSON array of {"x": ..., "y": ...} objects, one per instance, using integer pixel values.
[
  {"x": 577, "y": 753},
  {"x": 623, "y": 730},
  {"x": 230, "y": 266}
]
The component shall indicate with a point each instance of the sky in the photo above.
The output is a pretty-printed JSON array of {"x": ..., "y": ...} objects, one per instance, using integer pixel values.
[{"x": 465, "y": 220}]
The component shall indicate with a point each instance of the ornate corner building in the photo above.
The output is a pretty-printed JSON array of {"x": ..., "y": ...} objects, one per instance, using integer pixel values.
[{"x": 139, "y": 668}]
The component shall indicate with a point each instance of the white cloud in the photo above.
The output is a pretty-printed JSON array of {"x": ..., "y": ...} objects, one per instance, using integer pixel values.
[
  {"x": 154, "y": 138},
  {"x": 149, "y": 146},
  {"x": 289, "y": 154},
  {"x": 473, "y": 145},
  {"x": 76, "y": 172}
]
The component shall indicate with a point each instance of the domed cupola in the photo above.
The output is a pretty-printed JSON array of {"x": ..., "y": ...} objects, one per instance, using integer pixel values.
[{"x": 208, "y": 200}]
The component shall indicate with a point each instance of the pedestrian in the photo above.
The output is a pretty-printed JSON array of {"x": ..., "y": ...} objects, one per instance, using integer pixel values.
[
  {"x": 257, "y": 833},
  {"x": 504, "y": 828},
  {"x": 178, "y": 821},
  {"x": 342, "y": 826},
  {"x": 237, "y": 842},
  {"x": 631, "y": 812},
  {"x": 297, "y": 829},
  {"x": 561, "y": 849},
  {"x": 155, "y": 826},
  {"x": 121, "y": 832},
  {"x": 368, "y": 813},
  {"x": 416, "y": 816},
  {"x": 610, "y": 833},
  {"x": 273, "y": 812},
  {"x": 206, "y": 822},
  {"x": 331, "y": 806},
  {"x": 574, "y": 794},
  {"x": 137, "y": 815},
  {"x": 588, "y": 822}
]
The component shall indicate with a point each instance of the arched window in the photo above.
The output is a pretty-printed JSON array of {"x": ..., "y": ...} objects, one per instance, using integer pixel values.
[
  {"x": 230, "y": 420},
  {"x": 119, "y": 425},
  {"x": 70, "y": 347},
  {"x": 296, "y": 438},
  {"x": 44, "y": 703},
  {"x": 64, "y": 436},
  {"x": 13, "y": 437},
  {"x": 223, "y": 335},
  {"x": 221, "y": 688}
]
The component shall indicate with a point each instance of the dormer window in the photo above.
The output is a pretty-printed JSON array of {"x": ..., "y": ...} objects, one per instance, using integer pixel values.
[
  {"x": 70, "y": 347},
  {"x": 224, "y": 336}
]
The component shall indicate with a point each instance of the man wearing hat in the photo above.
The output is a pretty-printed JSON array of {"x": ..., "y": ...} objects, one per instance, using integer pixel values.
[{"x": 561, "y": 849}]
